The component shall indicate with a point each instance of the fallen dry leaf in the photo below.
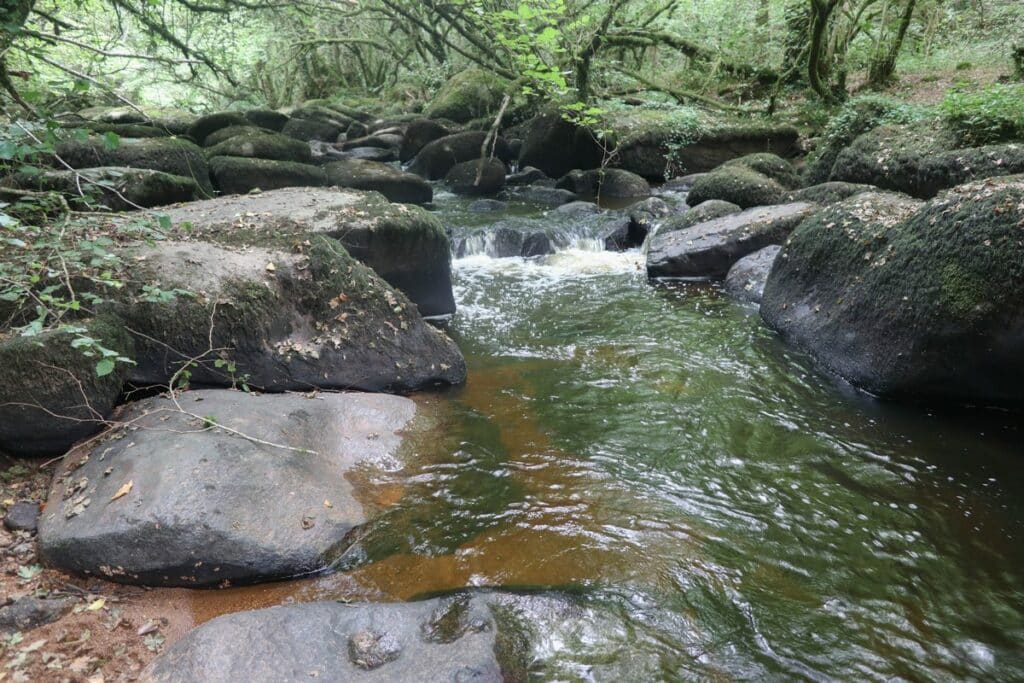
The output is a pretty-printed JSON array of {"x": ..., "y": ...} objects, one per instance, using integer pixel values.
[
  {"x": 97, "y": 604},
  {"x": 124, "y": 490}
]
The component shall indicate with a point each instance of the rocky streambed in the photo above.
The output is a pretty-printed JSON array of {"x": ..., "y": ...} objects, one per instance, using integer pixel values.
[{"x": 643, "y": 446}]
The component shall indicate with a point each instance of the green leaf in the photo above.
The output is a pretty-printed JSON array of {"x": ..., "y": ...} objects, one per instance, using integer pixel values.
[
  {"x": 105, "y": 367},
  {"x": 111, "y": 140}
]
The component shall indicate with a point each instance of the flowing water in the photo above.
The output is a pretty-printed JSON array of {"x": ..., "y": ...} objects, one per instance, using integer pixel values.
[{"x": 725, "y": 509}]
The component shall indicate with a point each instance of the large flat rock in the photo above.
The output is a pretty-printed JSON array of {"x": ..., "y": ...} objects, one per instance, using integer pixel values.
[
  {"x": 405, "y": 245},
  {"x": 707, "y": 250},
  {"x": 481, "y": 637},
  {"x": 176, "y": 499}
]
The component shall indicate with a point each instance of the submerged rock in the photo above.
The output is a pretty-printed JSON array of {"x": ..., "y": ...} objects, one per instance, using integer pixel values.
[
  {"x": 745, "y": 280},
  {"x": 545, "y": 196},
  {"x": 912, "y": 300},
  {"x": 181, "y": 501},
  {"x": 708, "y": 250},
  {"x": 397, "y": 186},
  {"x": 481, "y": 636}
]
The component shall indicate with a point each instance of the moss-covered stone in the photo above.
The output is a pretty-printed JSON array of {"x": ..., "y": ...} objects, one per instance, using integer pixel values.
[
  {"x": 738, "y": 185},
  {"x": 51, "y": 394},
  {"x": 468, "y": 95},
  {"x": 830, "y": 192},
  {"x": 261, "y": 144},
  {"x": 239, "y": 175},
  {"x": 921, "y": 160},
  {"x": 171, "y": 121},
  {"x": 310, "y": 129},
  {"x": 116, "y": 188},
  {"x": 657, "y": 143},
  {"x": 438, "y": 157},
  {"x": 211, "y": 123},
  {"x": 701, "y": 213},
  {"x": 418, "y": 134},
  {"x": 396, "y": 185},
  {"x": 405, "y": 245},
  {"x": 124, "y": 130},
  {"x": 293, "y": 314},
  {"x": 267, "y": 118},
  {"x": 770, "y": 165},
  {"x": 556, "y": 146},
  {"x": 613, "y": 183},
  {"x": 173, "y": 155},
  {"x": 219, "y": 136},
  {"x": 476, "y": 178},
  {"x": 911, "y": 300}
]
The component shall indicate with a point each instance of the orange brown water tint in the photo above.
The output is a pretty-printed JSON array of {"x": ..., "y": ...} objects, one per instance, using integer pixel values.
[{"x": 552, "y": 535}]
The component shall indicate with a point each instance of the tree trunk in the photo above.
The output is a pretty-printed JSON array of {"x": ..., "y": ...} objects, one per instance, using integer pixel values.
[
  {"x": 883, "y": 65},
  {"x": 1018, "y": 62}
]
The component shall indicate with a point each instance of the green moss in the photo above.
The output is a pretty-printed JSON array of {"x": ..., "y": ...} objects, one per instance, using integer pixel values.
[
  {"x": 738, "y": 185},
  {"x": 239, "y": 175},
  {"x": 468, "y": 95},
  {"x": 770, "y": 165},
  {"x": 255, "y": 143},
  {"x": 219, "y": 136}
]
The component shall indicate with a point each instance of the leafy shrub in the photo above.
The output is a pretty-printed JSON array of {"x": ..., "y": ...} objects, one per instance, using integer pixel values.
[{"x": 993, "y": 114}]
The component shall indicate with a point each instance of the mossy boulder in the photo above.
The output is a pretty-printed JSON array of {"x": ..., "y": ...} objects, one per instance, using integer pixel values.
[
  {"x": 858, "y": 116},
  {"x": 405, "y": 245},
  {"x": 708, "y": 250},
  {"x": 51, "y": 394},
  {"x": 770, "y": 165},
  {"x": 829, "y": 193},
  {"x": 418, "y": 134},
  {"x": 173, "y": 155},
  {"x": 397, "y": 186},
  {"x": 438, "y": 157},
  {"x": 476, "y": 178},
  {"x": 116, "y": 188},
  {"x": 654, "y": 142},
  {"x": 310, "y": 129},
  {"x": 613, "y": 183},
  {"x": 738, "y": 185},
  {"x": 219, "y": 136},
  {"x": 171, "y": 121},
  {"x": 921, "y": 160},
  {"x": 239, "y": 175},
  {"x": 556, "y": 146},
  {"x": 267, "y": 118},
  {"x": 211, "y": 123},
  {"x": 260, "y": 144},
  {"x": 297, "y": 316},
  {"x": 470, "y": 94},
  {"x": 317, "y": 112},
  {"x": 124, "y": 130},
  {"x": 701, "y": 213},
  {"x": 911, "y": 300}
]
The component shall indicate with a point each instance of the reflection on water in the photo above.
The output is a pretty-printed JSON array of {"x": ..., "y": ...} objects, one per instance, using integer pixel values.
[{"x": 725, "y": 509}]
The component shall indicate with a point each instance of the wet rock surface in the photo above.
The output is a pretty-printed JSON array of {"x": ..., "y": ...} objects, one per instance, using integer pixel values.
[
  {"x": 27, "y": 613},
  {"x": 709, "y": 249},
  {"x": 219, "y": 486},
  {"x": 745, "y": 280}
]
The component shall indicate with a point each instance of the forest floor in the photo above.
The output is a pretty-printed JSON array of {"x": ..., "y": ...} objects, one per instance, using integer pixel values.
[{"x": 108, "y": 632}]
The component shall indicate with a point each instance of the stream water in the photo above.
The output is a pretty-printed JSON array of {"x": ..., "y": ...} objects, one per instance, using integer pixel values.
[{"x": 727, "y": 510}]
